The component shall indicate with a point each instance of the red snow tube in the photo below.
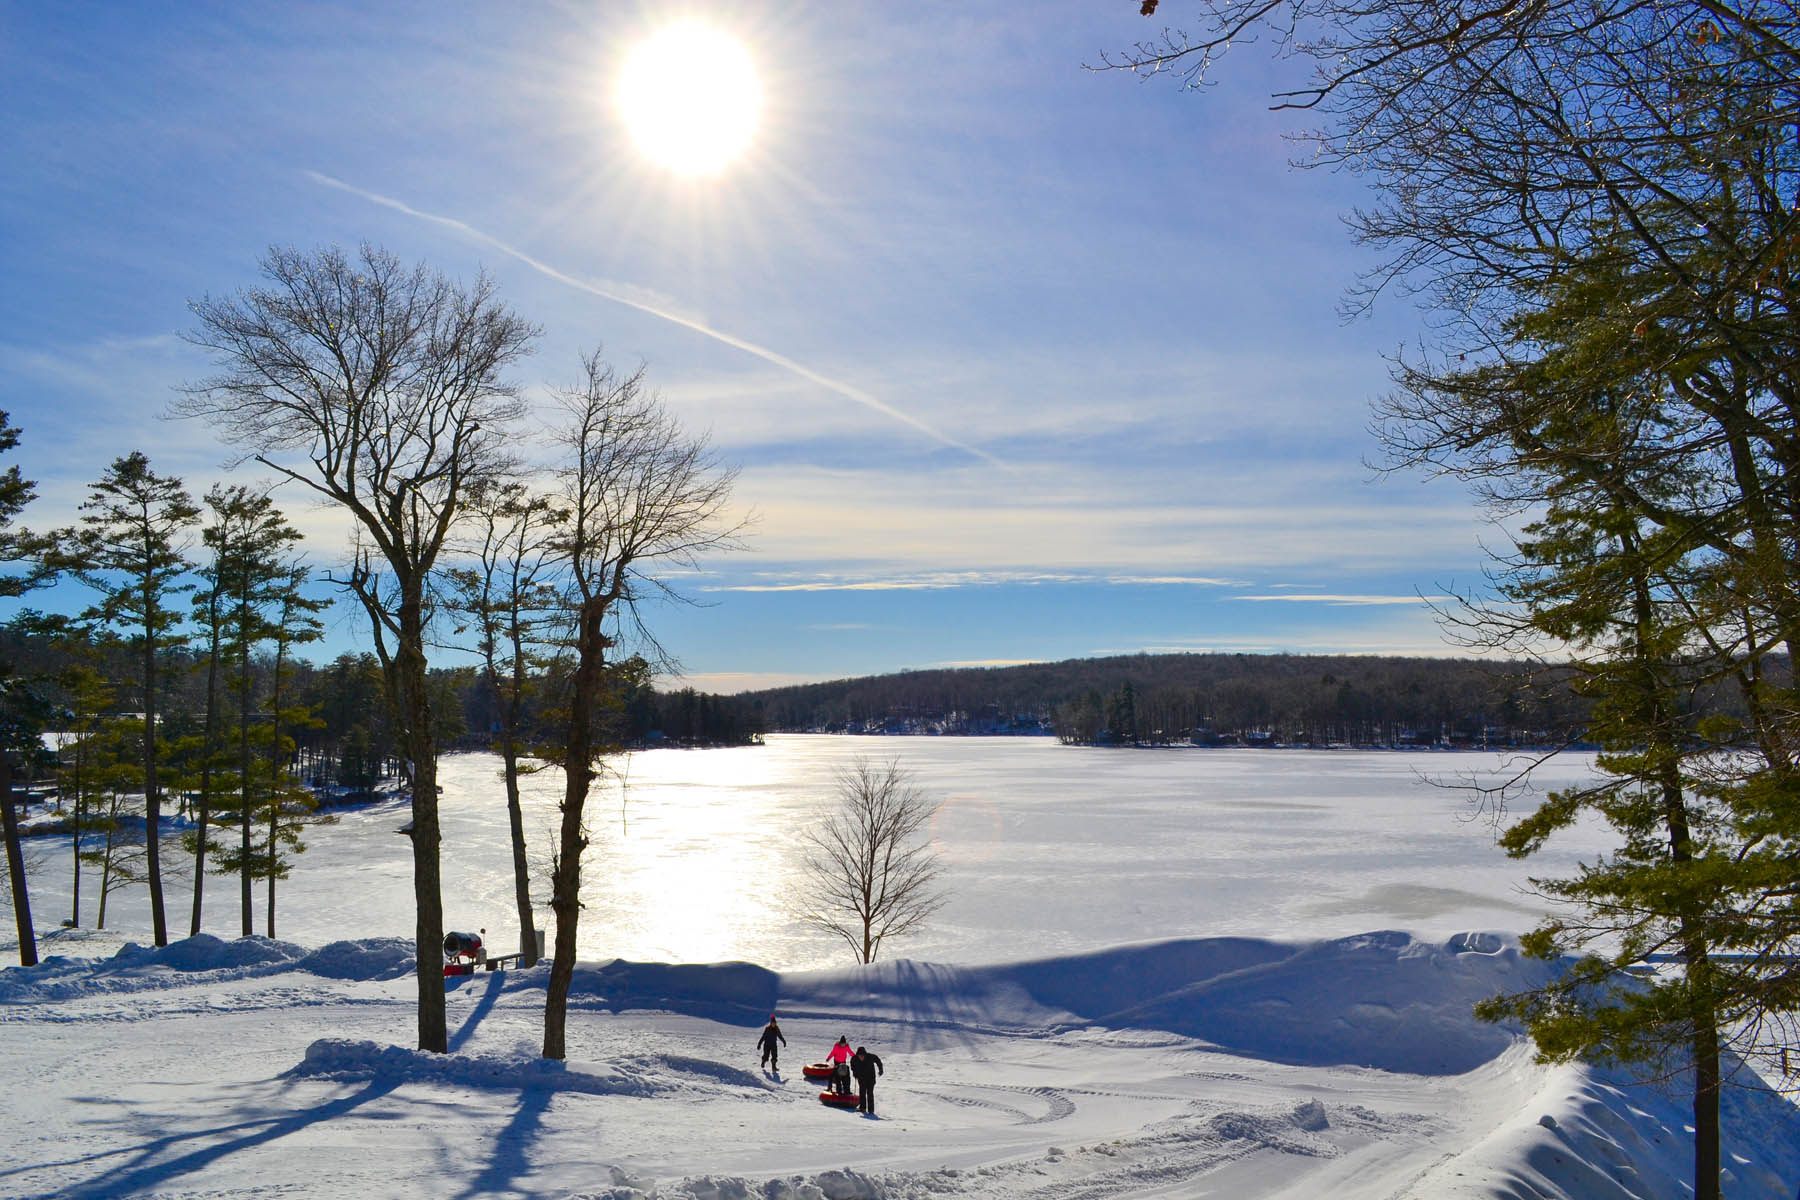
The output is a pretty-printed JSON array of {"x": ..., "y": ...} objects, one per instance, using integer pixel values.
[
  {"x": 817, "y": 1071},
  {"x": 833, "y": 1100}
]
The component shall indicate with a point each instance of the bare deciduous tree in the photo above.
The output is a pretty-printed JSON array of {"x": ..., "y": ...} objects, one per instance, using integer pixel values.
[
  {"x": 378, "y": 387},
  {"x": 639, "y": 491},
  {"x": 509, "y": 601},
  {"x": 876, "y": 872}
]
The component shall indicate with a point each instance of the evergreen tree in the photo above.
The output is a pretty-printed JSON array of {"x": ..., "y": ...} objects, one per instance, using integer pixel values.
[
  {"x": 289, "y": 804},
  {"x": 130, "y": 548},
  {"x": 120, "y": 853},
  {"x": 254, "y": 542},
  {"x": 83, "y": 757},
  {"x": 234, "y": 580},
  {"x": 1627, "y": 566},
  {"x": 22, "y": 709}
]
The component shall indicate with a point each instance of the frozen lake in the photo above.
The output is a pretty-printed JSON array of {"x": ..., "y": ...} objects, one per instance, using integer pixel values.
[
  {"x": 1048, "y": 848},
  {"x": 697, "y": 853}
]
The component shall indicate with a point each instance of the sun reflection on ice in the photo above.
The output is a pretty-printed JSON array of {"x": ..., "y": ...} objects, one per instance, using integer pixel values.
[{"x": 695, "y": 876}]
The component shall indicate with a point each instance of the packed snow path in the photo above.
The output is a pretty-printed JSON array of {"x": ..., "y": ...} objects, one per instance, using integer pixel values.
[{"x": 1232, "y": 1067}]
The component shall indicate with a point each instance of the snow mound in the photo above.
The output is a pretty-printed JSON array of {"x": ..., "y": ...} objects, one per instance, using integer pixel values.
[
  {"x": 134, "y": 968},
  {"x": 736, "y": 993},
  {"x": 350, "y": 1060},
  {"x": 361, "y": 960},
  {"x": 1378, "y": 1000},
  {"x": 206, "y": 952},
  {"x": 202, "y": 958},
  {"x": 1599, "y": 1134},
  {"x": 1382, "y": 1000},
  {"x": 827, "y": 1185},
  {"x": 652, "y": 1075}
]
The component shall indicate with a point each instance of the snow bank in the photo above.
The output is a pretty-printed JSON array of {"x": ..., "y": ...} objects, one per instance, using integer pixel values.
[
  {"x": 735, "y": 993},
  {"x": 826, "y": 1185},
  {"x": 202, "y": 958},
  {"x": 363, "y": 959},
  {"x": 645, "y": 1075},
  {"x": 1598, "y": 1134},
  {"x": 1111, "y": 1055},
  {"x": 1381, "y": 1000}
]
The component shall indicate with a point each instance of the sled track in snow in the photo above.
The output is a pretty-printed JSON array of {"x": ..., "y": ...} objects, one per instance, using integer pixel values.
[{"x": 1059, "y": 1105}]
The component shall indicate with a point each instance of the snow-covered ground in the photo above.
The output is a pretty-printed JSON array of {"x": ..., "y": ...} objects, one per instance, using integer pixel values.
[{"x": 1157, "y": 977}]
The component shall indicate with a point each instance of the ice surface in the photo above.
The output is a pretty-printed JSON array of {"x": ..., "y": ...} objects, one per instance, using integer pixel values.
[{"x": 1048, "y": 849}]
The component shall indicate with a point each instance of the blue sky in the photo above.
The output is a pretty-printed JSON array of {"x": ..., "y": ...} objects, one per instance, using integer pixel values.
[{"x": 1018, "y": 361}]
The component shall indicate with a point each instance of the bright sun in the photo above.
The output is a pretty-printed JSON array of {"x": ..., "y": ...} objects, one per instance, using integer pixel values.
[{"x": 690, "y": 98}]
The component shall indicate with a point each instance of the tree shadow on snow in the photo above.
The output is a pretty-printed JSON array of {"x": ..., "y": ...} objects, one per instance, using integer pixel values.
[
  {"x": 151, "y": 1166},
  {"x": 496, "y": 984},
  {"x": 511, "y": 1160}
]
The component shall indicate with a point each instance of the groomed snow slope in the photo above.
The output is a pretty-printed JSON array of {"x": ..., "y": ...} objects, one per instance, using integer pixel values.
[{"x": 1228, "y": 1066}]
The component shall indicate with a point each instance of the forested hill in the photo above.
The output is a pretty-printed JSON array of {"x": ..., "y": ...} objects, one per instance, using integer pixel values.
[{"x": 1158, "y": 698}]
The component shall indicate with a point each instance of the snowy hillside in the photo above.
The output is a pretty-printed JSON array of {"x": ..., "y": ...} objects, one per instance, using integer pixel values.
[
  {"x": 1152, "y": 981},
  {"x": 1343, "y": 1068}
]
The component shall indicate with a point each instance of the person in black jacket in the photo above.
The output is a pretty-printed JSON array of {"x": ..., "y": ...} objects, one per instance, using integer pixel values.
[
  {"x": 766, "y": 1043},
  {"x": 865, "y": 1067}
]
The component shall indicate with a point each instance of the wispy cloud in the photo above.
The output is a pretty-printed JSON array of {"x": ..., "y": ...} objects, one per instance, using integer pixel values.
[
  {"x": 646, "y": 302},
  {"x": 1348, "y": 601},
  {"x": 727, "y": 683},
  {"x": 940, "y": 580}
]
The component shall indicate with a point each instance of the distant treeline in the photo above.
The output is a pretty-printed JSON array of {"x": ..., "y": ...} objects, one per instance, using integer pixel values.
[
  {"x": 345, "y": 737},
  {"x": 1205, "y": 698}
]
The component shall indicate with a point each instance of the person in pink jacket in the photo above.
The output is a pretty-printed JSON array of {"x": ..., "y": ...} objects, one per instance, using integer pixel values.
[{"x": 839, "y": 1058}]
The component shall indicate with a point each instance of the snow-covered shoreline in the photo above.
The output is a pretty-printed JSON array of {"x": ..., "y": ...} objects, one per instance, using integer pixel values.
[{"x": 1345, "y": 1067}]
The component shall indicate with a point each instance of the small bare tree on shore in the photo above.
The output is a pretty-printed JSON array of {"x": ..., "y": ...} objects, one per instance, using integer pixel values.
[{"x": 877, "y": 874}]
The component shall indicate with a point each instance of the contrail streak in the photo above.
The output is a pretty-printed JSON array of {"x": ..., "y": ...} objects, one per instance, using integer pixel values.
[{"x": 763, "y": 352}]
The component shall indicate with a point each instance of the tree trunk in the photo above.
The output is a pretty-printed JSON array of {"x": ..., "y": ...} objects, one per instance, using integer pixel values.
[
  {"x": 246, "y": 871},
  {"x": 409, "y": 669},
  {"x": 515, "y": 816},
  {"x": 106, "y": 864},
  {"x": 75, "y": 842},
  {"x": 152, "y": 797},
  {"x": 578, "y": 772},
  {"x": 15, "y": 866},
  {"x": 274, "y": 778},
  {"x": 206, "y": 751},
  {"x": 1705, "y": 1054}
]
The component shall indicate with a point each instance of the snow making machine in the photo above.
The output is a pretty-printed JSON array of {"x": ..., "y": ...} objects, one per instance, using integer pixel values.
[{"x": 462, "y": 953}]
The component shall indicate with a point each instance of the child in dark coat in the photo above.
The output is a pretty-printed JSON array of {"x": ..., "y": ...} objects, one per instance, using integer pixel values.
[{"x": 766, "y": 1043}]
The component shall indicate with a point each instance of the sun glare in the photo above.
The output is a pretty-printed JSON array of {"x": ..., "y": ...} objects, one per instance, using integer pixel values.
[{"x": 690, "y": 98}]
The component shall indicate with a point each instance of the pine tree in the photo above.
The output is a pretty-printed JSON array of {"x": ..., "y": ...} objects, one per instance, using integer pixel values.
[
  {"x": 1620, "y": 569},
  {"x": 88, "y": 694},
  {"x": 120, "y": 855},
  {"x": 254, "y": 538},
  {"x": 289, "y": 803},
  {"x": 22, "y": 709},
  {"x": 232, "y": 536},
  {"x": 130, "y": 548}
]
